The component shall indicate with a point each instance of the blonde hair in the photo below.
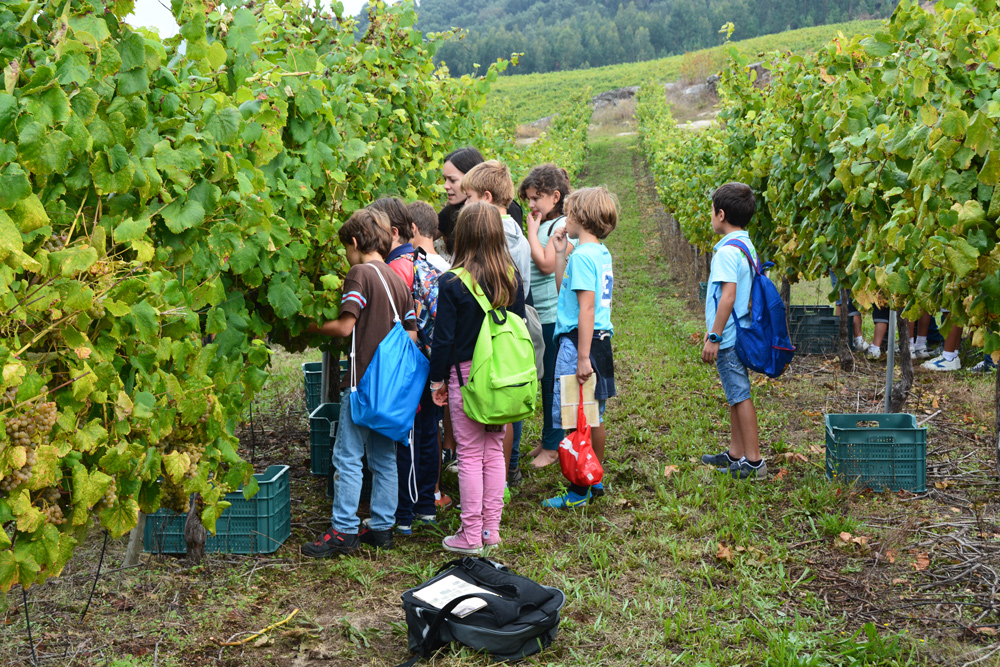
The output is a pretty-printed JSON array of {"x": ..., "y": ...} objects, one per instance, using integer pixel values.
[
  {"x": 370, "y": 229},
  {"x": 493, "y": 177},
  {"x": 594, "y": 209},
  {"x": 481, "y": 249}
]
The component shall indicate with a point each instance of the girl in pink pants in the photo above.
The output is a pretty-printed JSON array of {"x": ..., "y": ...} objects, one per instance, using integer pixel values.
[{"x": 480, "y": 249}]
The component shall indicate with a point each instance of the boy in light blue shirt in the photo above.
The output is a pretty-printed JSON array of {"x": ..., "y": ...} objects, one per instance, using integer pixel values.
[{"x": 729, "y": 284}]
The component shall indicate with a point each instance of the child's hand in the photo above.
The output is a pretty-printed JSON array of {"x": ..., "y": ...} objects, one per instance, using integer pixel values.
[
  {"x": 559, "y": 240},
  {"x": 534, "y": 222},
  {"x": 710, "y": 352},
  {"x": 440, "y": 395},
  {"x": 583, "y": 370}
]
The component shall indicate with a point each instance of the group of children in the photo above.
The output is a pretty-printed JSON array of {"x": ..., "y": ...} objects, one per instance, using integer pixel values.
[{"x": 559, "y": 275}]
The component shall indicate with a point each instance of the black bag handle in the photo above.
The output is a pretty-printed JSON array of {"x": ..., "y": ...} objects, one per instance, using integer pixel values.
[{"x": 425, "y": 645}]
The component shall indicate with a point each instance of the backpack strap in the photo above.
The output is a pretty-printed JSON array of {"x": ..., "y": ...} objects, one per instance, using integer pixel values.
[
  {"x": 354, "y": 332},
  {"x": 427, "y": 647},
  {"x": 467, "y": 280},
  {"x": 754, "y": 267}
]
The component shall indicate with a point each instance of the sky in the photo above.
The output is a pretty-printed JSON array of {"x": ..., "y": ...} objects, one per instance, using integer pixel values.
[{"x": 153, "y": 14}]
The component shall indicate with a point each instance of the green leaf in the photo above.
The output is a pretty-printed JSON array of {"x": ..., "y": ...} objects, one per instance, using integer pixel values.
[
  {"x": 283, "y": 299},
  {"x": 962, "y": 257},
  {"x": 9, "y": 109},
  {"x": 990, "y": 173},
  {"x": 224, "y": 125},
  {"x": 73, "y": 259},
  {"x": 183, "y": 214},
  {"x": 954, "y": 123},
  {"x": 176, "y": 465},
  {"x": 8, "y": 570},
  {"x": 354, "y": 150},
  {"x": 242, "y": 33},
  {"x": 130, "y": 230},
  {"x": 121, "y": 517},
  {"x": 146, "y": 320},
  {"x": 14, "y": 186},
  {"x": 42, "y": 150},
  {"x": 216, "y": 55}
]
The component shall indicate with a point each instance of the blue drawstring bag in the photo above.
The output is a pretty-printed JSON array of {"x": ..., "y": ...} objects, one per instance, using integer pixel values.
[
  {"x": 387, "y": 397},
  {"x": 763, "y": 346}
]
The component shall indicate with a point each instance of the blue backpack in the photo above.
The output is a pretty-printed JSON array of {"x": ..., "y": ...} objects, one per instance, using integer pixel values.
[
  {"x": 386, "y": 398},
  {"x": 763, "y": 346}
]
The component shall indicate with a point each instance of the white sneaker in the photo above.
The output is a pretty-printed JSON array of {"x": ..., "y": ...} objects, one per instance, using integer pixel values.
[
  {"x": 939, "y": 364},
  {"x": 873, "y": 352},
  {"x": 922, "y": 352},
  {"x": 861, "y": 344}
]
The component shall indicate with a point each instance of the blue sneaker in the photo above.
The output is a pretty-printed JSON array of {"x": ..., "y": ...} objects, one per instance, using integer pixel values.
[
  {"x": 743, "y": 470},
  {"x": 596, "y": 491},
  {"x": 404, "y": 530},
  {"x": 567, "y": 501}
]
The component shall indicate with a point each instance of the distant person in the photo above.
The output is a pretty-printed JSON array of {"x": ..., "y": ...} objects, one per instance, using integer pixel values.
[
  {"x": 729, "y": 283},
  {"x": 480, "y": 249},
  {"x": 425, "y": 232},
  {"x": 583, "y": 318},
  {"x": 456, "y": 165},
  {"x": 400, "y": 258},
  {"x": 367, "y": 312},
  {"x": 545, "y": 189}
]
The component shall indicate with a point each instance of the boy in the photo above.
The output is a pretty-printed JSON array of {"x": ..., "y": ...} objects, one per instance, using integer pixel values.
[
  {"x": 583, "y": 317},
  {"x": 425, "y": 231},
  {"x": 729, "y": 283},
  {"x": 365, "y": 311},
  {"x": 400, "y": 257}
]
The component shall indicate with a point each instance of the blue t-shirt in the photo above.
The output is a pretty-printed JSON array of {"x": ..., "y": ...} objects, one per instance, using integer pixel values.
[
  {"x": 588, "y": 270},
  {"x": 730, "y": 265}
]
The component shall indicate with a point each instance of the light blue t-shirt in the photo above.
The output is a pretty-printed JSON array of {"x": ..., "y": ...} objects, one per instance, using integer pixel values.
[
  {"x": 543, "y": 286},
  {"x": 589, "y": 270},
  {"x": 730, "y": 265}
]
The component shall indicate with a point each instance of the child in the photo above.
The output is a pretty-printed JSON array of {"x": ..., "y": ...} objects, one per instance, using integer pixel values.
[
  {"x": 425, "y": 231},
  {"x": 583, "y": 317},
  {"x": 366, "y": 311},
  {"x": 481, "y": 249},
  {"x": 729, "y": 283},
  {"x": 400, "y": 258},
  {"x": 545, "y": 189},
  {"x": 490, "y": 182}
]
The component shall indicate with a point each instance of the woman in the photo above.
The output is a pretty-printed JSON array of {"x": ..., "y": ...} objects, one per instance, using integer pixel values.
[{"x": 456, "y": 165}]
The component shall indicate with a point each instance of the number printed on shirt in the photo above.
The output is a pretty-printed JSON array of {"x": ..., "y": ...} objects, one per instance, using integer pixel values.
[{"x": 607, "y": 284}]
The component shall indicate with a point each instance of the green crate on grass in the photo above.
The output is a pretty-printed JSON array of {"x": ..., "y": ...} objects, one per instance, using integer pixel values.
[
  {"x": 313, "y": 375},
  {"x": 815, "y": 334},
  {"x": 256, "y": 526},
  {"x": 878, "y": 450},
  {"x": 702, "y": 291},
  {"x": 322, "y": 432},
  {"x": 798, "y": 313}
]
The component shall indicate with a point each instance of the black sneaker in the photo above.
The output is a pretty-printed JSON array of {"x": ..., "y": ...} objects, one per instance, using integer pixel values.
[
  {"x": 330, "y": 544},
  {"x": 380, "y": 539},
  {"x": 515, "y": 477},
  {"x": 722, "y": 460},
  {"x": 743, "y": 470}
]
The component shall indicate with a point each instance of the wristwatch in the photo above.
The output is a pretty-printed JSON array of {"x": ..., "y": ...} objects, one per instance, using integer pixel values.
[{"x": 714, "y": 338}]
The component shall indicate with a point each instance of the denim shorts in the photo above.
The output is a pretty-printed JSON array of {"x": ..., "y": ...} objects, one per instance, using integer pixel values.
[
  {"x": 734, "y": 376},
  {"x": 566, "y": 365}
]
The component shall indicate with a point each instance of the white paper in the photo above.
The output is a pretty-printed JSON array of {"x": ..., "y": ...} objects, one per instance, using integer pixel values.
[
  {"x": 444, "y": 590},
  {"x": 570, "y": 401}
]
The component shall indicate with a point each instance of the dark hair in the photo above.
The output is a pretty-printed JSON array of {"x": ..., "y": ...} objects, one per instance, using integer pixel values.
[
  {"x": 370, "y": 228},
  {"x": 547, "y": 179},
  {"x": 736, "y": 201},
  {"x": 399, "y": 216},
  {"x": 465, "y": 159},
  {"x": 425, "y": 218}
]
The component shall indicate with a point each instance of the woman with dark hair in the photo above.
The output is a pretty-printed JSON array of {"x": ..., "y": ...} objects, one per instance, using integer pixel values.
[{"x": 456, "y": 165}]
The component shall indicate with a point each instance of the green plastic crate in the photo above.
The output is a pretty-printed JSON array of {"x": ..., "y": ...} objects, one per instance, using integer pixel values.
[
  {"x": 256, "y": 526},
  {"x": 815, "y": 334},
  {"x": 878, "y": 450},
  {"x": 322, "y": 432},
  {"x": 313, "y": 375},
  {"x": 799, "y": 312},
  {"x": 702, "y": 291}
]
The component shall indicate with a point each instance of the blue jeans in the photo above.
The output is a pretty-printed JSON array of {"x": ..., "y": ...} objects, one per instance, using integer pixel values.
[
  {"x": 515, "y": 450},
  {"x": 551, "y": 436},
  {"x": 425, "y": 433},
  {"x": 352, "y": 442},
  {"x": 734, "y": 376}
]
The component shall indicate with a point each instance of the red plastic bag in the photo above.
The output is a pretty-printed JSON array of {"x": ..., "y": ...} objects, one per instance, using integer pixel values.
[{"x": 576, "y": 453}]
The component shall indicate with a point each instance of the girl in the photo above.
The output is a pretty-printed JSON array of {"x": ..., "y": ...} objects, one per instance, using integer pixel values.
[
  {"x": 545, "y": 189},
  {"x": 481, "y": 249}
]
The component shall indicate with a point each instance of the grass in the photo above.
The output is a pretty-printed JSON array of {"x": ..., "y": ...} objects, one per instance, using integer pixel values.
[
  {"x": 682, "y": 568},
  {"x": 535, "y": 96}
]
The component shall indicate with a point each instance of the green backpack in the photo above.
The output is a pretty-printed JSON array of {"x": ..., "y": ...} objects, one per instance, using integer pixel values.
[{"x": 503, "y": 383}]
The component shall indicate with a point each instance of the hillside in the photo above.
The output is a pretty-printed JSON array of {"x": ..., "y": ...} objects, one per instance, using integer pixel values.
[
  {"x": 534, "y": 96},
  {"x": 563, "y": 35}
]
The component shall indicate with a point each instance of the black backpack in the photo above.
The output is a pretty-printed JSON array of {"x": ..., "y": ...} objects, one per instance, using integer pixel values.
[{"x": 520, "y": 620}]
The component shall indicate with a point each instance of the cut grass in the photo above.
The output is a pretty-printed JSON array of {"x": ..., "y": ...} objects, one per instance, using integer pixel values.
[{"x": 686, "y": 569}]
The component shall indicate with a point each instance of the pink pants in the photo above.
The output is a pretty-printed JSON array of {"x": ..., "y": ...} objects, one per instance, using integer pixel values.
[{"x": 481, "y": 474}]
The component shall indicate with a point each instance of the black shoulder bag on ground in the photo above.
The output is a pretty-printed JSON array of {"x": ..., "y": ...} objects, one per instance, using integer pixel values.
[{"x": 520, "y": 620}]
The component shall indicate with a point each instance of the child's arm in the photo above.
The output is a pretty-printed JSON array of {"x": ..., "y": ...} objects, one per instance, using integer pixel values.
[
  {"x": 560, "y": 244},
  {"x": 727, "y": 298},
  {"x": 547, "y": 258},
  {"x": 338, "y": 328},
  {"x": 585, "y": 335}
]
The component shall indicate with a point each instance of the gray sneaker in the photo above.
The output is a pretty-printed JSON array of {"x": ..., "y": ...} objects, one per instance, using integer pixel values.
[
  {"x": 743, "y": 470},
  {"x": 718, "y": 460}
]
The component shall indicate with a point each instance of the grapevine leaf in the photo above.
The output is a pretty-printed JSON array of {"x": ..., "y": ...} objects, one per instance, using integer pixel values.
[
  {"x": 14, "y": 186},
  {"x": 4, "y": 541},
  {"x": 183, "y": 214},
  {"x": 354, "y": 150},
  {"x": 990, "y": 173},
  {"x": 176, "y": 464},
  {"x": 146, "y": 319},
  {"x": 9, "y": 110},
  {"x": 43, "y": 150},
  {"x": 284, "y": 300},
  {"x": 962, "y": 257},
  {"x": 131, "y": 230},
  {"x": 121, "y": 517},
  {"x": 954, "y": 123},
  {"x": 29, "y": 214},
  {"x": 216, "y": 55},
  {"x": 8, "y": 570},
  {"x": 73, "y": 259},
  {"x": 224, "y": 126}
]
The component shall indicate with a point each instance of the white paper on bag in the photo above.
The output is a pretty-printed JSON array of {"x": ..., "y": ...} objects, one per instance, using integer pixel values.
[{"x": 444, "y": 590}]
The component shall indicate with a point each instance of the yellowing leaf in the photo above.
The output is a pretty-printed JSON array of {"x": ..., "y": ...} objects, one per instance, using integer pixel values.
[
  {"x": 724, "y": 553},
  {"x": 670, "y": 470}
]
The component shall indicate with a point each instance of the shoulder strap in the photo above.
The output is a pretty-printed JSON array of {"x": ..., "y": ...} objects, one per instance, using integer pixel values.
[
  {"x": 754, "y": 266},
  {"x": 466, "y": 279},
  {"x": 354, "y": 332}
]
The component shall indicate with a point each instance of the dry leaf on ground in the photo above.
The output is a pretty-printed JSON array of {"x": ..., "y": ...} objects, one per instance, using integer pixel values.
[
  {"x": 670, "y": 470},
  {"x": 794, "y": 456},
  {"x": 724, "y": 553},
  {"x": 781, "y": 474},
  {"x": 846, "y": 537},
  {"x": 921, "y": 563}
]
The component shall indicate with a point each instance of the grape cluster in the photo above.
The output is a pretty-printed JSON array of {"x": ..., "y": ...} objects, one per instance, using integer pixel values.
[
  {"x": 174, "y": 497},
  {"x": 54, "y": 515},
  {"x": 110, "y": 497},
  {"x": 20, "y": 476},
  {"x": 56, "y": 242}
]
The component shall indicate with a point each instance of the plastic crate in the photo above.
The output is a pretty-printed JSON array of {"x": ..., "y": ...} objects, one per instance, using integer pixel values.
[
  {"x": 702, "y": 291},
  {"x": 256, "y": 526},
  {"x": 322, "y": 432},
  {"x": 313, "y": 374},
  {"x": 366, "y": 481},
  {"x": 799, "y": 313},
  {"x": 815, "y": 334},
  {"x": 891, "y": 454}
]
